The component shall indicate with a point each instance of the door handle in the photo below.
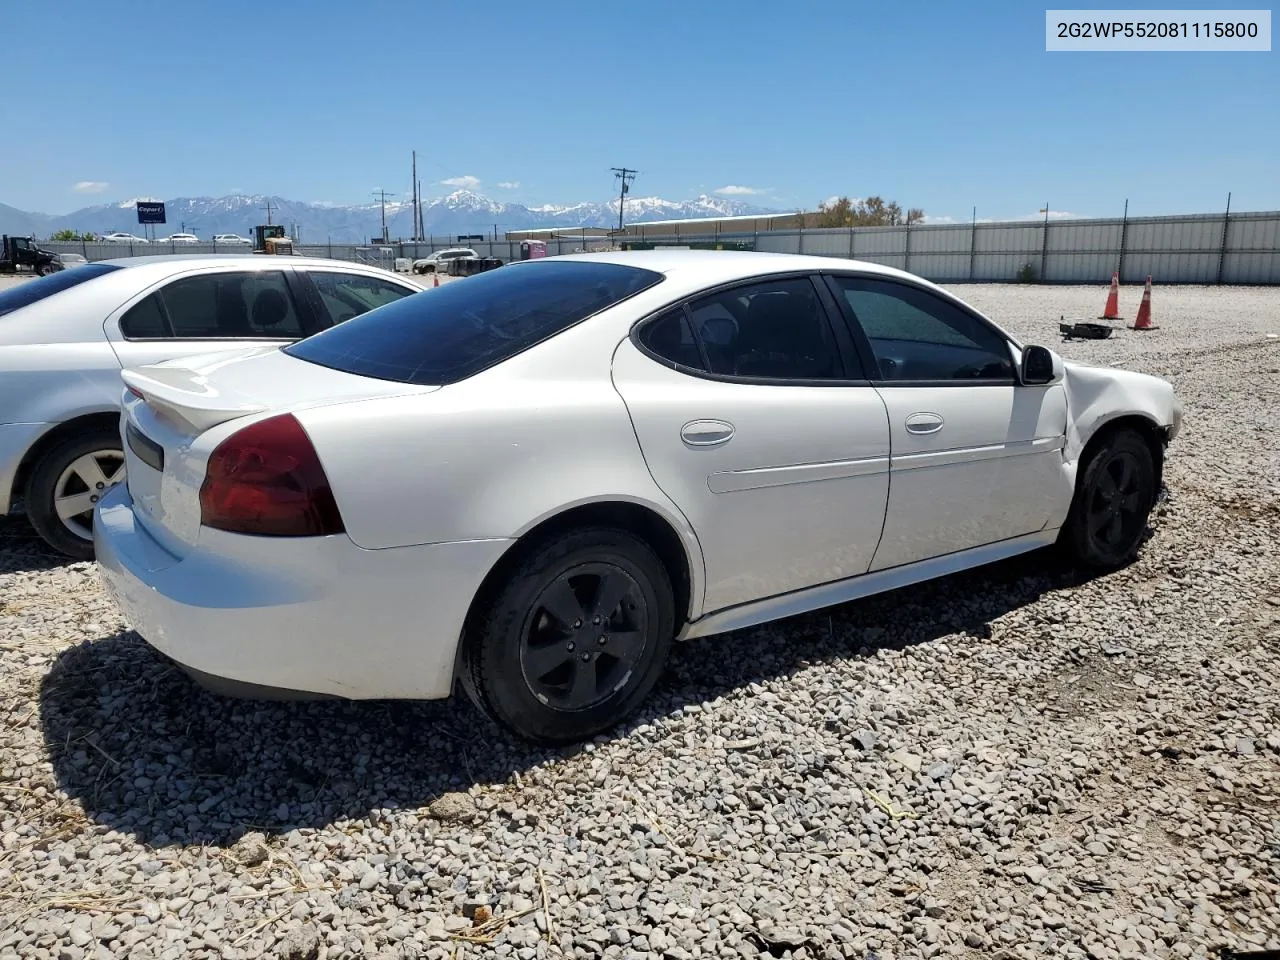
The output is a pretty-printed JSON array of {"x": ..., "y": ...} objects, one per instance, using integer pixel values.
[
  {"x": 924, "y": 423},
  {"x": 706, "y": 433}
]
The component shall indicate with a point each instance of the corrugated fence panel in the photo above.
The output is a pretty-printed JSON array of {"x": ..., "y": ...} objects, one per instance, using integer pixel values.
[
  {"x": 1007, "y": 238},
  {"x": 872, "y": 242},
  {"x": 940, "y": 239},
  {"x": 940, "y": 266},
  {"x": 1171, "y": 267},
  {"x": 1254, "y": 233},
  {"x": 1175, "y": 234},
  {"x": 1075, "y": 237},
  {"x": 1079, "y": 267},
  {"x": 777, "y": 243},
  {"x": 1251, "y": 268},
  {"x": 826, "y": 244}
]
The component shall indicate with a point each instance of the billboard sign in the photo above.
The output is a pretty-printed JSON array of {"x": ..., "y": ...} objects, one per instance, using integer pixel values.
[{"x": 150, "y": 212}]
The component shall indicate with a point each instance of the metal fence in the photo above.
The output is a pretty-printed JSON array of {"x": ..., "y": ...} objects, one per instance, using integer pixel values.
[{"x": 1242, "y": 248}]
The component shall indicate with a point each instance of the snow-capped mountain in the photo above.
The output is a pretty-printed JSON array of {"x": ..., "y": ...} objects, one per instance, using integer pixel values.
[{"x": 461, "y": 212}]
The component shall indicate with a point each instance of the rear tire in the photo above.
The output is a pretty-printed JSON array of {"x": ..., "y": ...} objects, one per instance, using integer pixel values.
[
  {"x": 545, "y": 659},
  {"x": 54, "y": 478},
  {"x": 1113, "y": 500}
]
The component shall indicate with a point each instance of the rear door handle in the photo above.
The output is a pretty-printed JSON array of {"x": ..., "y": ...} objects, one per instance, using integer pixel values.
[
  {"x": 923, "y": 423},
  {"x": 706, "y": 433}
]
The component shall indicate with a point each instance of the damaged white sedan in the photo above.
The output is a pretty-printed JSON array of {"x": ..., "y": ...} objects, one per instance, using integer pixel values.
[{"x": 532, "y": 482}]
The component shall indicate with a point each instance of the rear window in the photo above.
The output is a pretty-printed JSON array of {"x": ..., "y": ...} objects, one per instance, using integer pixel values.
[
  {"x": 25, "y": 294},
  {"x": 454, "y": 331}
]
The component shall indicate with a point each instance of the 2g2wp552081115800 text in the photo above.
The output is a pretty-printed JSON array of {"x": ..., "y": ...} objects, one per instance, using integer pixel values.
[{"x": 1126, "y": 31}]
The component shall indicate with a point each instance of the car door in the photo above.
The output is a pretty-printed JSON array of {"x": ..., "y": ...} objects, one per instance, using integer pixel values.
[
  {"x": 976, "y": 456},
  {"x": 755, "y": 418},
  {"x": 210, "y": 309}
]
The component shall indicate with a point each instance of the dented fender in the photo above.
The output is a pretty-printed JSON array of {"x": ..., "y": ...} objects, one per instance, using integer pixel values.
[{"x": 1098, "y": 395}]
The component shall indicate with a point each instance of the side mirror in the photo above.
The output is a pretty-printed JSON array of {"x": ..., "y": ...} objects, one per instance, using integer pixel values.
[{"x": 1040, "y": 366}]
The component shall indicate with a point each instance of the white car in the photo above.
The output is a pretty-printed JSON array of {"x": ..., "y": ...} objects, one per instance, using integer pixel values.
[
  {"x": 122, "y": 238},
  {"x": 180, "y": 238},
  {"x": 232, "y": 238},
  {"x": 440, "y": 259},
  {"x": 64, "y": 338},
  {"x": 534, "y": 481}
]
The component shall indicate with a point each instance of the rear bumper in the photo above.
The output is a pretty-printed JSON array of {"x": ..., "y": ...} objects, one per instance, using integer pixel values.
[
  {"x": 15, "y": 440},
  {"x": 321, "y": 616}
]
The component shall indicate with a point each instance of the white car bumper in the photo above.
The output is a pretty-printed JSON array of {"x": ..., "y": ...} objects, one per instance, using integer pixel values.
[{"x": 315, "y": 615}]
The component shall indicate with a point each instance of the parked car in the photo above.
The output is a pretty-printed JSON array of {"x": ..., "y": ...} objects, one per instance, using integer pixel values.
[
  {"x": 232, "y": 238},
  {"x": 180, "y": 238},
  {"x": 118, "y": 237},
  {"x": 533, "y": 482},
  {"x": 69, "y": 260},
  {"x": 439, "y": 260},
  {"x": 64, "y": 338}
]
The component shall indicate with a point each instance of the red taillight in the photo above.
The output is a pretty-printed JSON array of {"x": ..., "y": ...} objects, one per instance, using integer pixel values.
[
  {"x": 136, "y": 392},
  {"x": 267, "y": 479}
]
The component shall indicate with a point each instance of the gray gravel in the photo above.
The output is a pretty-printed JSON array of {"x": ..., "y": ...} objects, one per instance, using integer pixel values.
[{"x": 1014, "y": 762}]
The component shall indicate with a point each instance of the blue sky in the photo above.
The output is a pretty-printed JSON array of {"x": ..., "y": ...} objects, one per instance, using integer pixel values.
[{"x": 942, "y": 106}]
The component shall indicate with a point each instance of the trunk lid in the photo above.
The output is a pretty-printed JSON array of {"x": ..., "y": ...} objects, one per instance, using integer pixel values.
[{"x": 176, "y": 412}]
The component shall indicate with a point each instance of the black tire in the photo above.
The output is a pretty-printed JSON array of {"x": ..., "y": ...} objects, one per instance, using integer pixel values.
[
  {"x": 1113, "y": 500},
  {"x": 42, "y": 487},
  {"x": 522, "y": 665}
]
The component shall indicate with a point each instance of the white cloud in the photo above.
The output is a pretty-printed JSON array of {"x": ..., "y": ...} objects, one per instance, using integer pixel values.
[
  {"x": 509, "y": 185},
  {"x": 1053, "y": 215},
  {"x": 90, "y": 186},
  {"x": 733, "y": 190},
  {"x": 466, "y": 183},
  {"x": 941, "y": 218}
]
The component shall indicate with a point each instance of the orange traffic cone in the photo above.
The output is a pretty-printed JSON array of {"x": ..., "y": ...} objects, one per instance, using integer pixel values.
[
  {"x": 436, "y": 277},
  {"x": 1112, "y": 309},
  {"x": 1143, "y": 320}
]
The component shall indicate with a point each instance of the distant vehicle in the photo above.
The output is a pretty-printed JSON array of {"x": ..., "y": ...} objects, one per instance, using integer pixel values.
[
  {"x": 529, "y": 485},
  {"x": 64, "y": 338},
  {"x": 123, "y": 238},
  {"x": 437, "y": 261},
  {"x": 71, "y": 260},
  {"x": 180, "y": 238},
  {"x": 232, "y": 238},
  {"x": 18, "y": 252}
]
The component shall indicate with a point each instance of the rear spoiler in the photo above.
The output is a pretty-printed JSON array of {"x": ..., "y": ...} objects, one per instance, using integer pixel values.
[{"x": 184, "y": 394}]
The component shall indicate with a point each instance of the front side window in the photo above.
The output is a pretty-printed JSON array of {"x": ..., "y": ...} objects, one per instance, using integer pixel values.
[
  {"x": 776, "y": 330},
  {"x": 347, "y": 295},
  {"x": 916, "y": 335},
  {"x": 458, "y": 330}
]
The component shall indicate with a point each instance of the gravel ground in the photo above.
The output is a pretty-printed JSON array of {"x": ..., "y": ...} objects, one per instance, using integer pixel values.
[{"x": 1014, "y": 762}]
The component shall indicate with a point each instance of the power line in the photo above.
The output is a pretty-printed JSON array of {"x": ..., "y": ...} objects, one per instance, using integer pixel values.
[{"x": 626, "y": 175}]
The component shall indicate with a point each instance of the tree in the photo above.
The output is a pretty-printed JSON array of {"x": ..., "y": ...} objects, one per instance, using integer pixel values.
[
  {"x": 869, "y": 212},
  {"x": 65, "y": 235}
]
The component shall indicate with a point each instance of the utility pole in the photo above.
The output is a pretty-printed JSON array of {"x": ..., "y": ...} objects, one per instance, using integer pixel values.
[
  {"x": 626, "y": 175},
  {"x": 268, "y": 211},
  {"x": 417, "y": 201},
  {"x": 382, "y": 194}
]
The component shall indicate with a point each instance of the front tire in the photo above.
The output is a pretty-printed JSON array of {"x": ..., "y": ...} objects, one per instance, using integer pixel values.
[
  {"x": 67, "y": 482},
  {"x": 573, "y": 639},
  {"x": 1113, "y": 501}
]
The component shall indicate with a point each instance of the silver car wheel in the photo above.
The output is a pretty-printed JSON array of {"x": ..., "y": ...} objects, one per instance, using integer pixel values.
[{"x": 82, "y": 484}]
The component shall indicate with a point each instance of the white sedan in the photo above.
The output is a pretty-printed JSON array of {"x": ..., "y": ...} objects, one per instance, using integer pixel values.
[
  {"x": 533, "y": 482},
  {"x": 65, "y": 337}
]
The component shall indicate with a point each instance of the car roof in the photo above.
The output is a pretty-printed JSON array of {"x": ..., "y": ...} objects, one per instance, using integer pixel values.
[
  {"x": 722, "y": 266},
  {"x": 167, "y": 263}
]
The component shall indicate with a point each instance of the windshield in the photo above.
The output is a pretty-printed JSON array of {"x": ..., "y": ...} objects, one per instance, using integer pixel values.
[
  {"x": 449, "y": 333},
  {"x": 31, "y": 291}
]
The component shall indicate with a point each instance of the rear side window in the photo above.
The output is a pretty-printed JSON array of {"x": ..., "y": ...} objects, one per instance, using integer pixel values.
[
  {"x": 248, "y": 305},
  {"x": 31, "y": 291},
  {"x": 347, "y": 295},
  {"x": 452, "y": 332}
]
